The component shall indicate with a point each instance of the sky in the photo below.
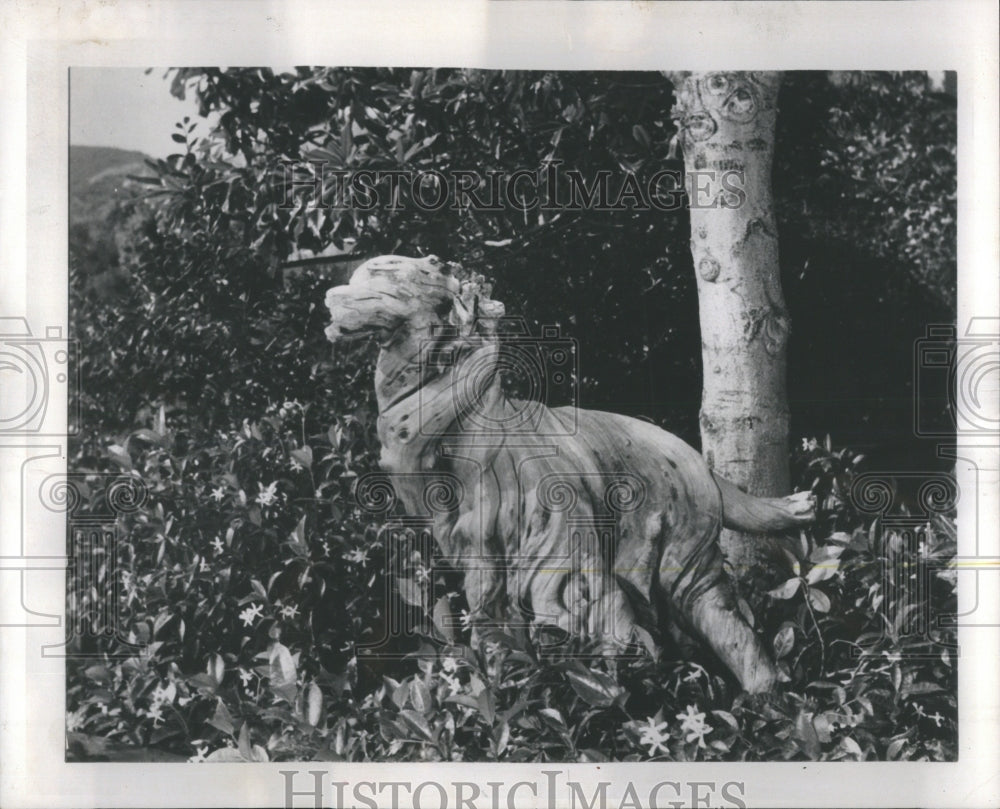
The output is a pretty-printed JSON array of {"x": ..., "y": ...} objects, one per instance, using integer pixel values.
[{"x": 124, "y": 107}]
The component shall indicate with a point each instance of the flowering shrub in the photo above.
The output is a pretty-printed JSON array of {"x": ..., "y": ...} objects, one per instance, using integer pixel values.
[
  {"x": 263, "y": 605},
  {"x": 259, "y": 613}
]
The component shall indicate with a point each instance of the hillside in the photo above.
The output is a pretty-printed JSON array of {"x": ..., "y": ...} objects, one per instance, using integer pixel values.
[
  {"x": 98, "y": 180},
  {"x": 97, "y": 177}
]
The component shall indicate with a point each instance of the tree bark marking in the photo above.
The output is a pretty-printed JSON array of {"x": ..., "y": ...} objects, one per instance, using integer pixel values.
[{"x": 726, "y": 123}]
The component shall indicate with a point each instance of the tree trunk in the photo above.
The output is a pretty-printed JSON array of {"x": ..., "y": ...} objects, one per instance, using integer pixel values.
[{"x": 726, "y": 125}]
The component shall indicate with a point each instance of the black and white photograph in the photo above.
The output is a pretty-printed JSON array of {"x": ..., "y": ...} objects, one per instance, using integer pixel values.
[{"x": 541, "y": 419}]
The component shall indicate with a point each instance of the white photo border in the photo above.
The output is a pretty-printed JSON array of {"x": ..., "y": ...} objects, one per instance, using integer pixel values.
[{"x": 44, "y": 39}]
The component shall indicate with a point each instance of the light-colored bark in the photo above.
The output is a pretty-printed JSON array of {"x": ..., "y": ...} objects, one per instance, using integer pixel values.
[
  {"x": 726, "y": 126},
  {"x": 580, "y": 520}
]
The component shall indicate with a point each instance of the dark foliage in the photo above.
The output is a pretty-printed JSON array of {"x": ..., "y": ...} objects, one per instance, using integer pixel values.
[{"x": 253, "y": 577}]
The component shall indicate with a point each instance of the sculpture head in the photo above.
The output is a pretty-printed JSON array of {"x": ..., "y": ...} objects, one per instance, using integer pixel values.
[{"x": 395, "y": 296}]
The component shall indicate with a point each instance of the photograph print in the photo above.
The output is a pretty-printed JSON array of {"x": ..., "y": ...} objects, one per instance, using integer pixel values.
[{"x": 466, "y": 415}]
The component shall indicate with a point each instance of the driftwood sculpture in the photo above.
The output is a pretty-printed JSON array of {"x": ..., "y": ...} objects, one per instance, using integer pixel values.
[{"x": 582, "y": 520}]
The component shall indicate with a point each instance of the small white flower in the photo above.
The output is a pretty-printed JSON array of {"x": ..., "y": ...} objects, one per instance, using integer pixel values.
[
  {"x": 449, "y": 664},
  {"x": 218, "y": 493},
  {"x": 218, "y": 546},
  {"x": 654, "y": 734},
  {"x": 465, "y": 619},
  {"x": 245, "y": 677},
  {"x": 251, "y": 614},
  {"x": 289, "y": 611},
  {"x": 162, "y": 695},
  {"x": 358, "y": 556},
  {"x": 75, "y": 719},
  {"x": 325, "y": 546},
  {"x": 155, "y": 713},
  {"x": 203, "y": 566},
  {"x": 696, "y": 672},
  {"x": 694, "y": 726},
  {"x": 199, "y": 756},
  {"x": 422, "y": 575},
  {"x": 454, "y": 686},
  {"x": 295, "y": 465},
  {"x": 268, "y": 495}
]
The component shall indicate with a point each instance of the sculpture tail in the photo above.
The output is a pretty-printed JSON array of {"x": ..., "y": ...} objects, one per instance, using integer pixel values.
[{"x": 762, "y": 515}]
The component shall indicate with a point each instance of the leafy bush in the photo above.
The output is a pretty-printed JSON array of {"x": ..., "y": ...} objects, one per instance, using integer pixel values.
[
  {"x": 250, "y": 582},
  {"x": 252, "y": 579}
]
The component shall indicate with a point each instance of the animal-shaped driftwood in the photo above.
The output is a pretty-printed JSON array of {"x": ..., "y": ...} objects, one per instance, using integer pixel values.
[{"x": 577, "y": 519}]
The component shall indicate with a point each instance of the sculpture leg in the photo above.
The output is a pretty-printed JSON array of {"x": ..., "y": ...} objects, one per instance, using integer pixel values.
[
  {"x": 556, "y": 597},
  {"x": 484, "y": 571},
  {"x": 702, "y": 598},
  {"x": 715, "y": 618},
  {"x": 569, "y": 584},
  {"x": 583, "y": 604}
]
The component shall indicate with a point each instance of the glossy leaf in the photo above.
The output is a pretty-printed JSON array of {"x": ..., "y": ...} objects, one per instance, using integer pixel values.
[
  {"x": 594, "y": 687},
  {"x": 786, "y": 590},
  {"x": 818, "y": 600},
  {"x": 784, "y": 640}
]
